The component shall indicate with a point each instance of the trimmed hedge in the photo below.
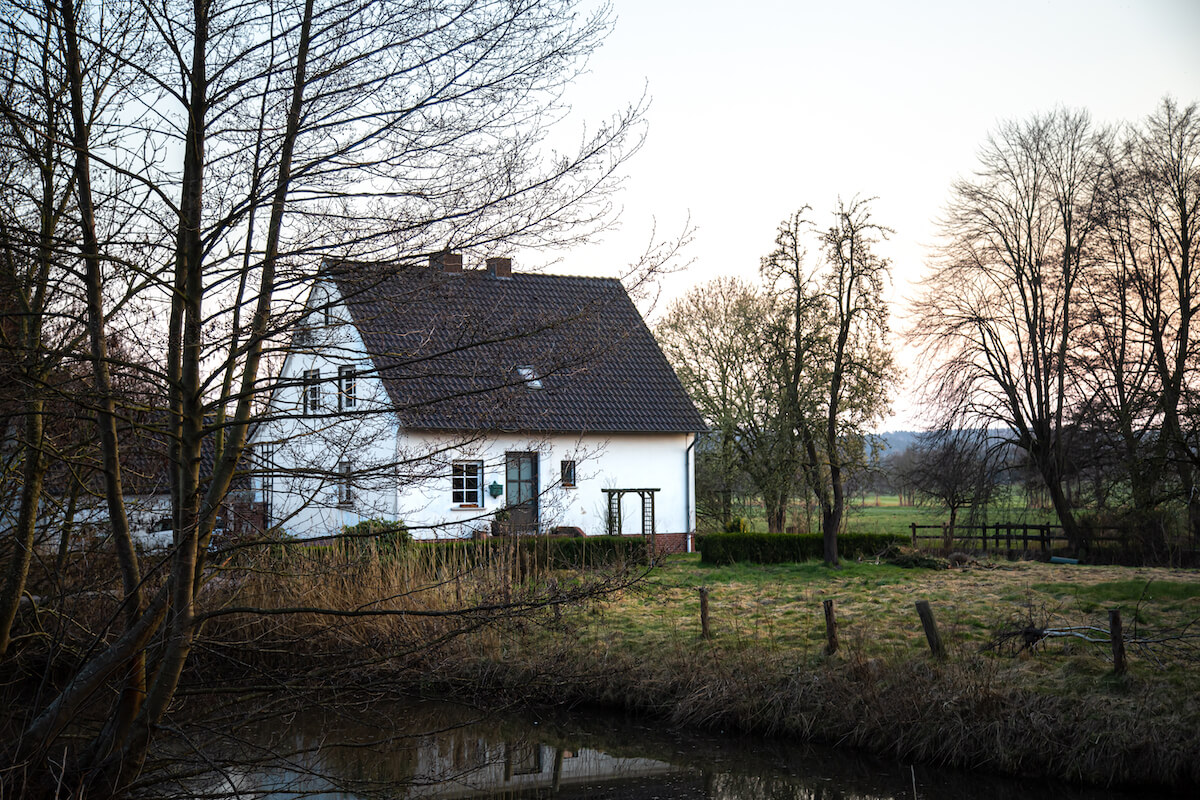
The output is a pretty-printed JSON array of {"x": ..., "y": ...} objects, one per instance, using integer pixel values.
[
  {"x": 778, "y": 548},
  {"x": 552, "y": 552}
]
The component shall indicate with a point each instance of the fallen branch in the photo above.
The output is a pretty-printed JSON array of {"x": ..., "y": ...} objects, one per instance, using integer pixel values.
[{"x": 1177, "y": 643}]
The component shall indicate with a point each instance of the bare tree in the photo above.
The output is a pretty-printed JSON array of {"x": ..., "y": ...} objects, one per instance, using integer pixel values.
[
  {"x": 834, "y": 357},
  {"x": 37, "y": 332},
  {"x": 732, "y": 347},
  {"x": 711, "y": 337},
  {"x": 1001, "y": 314},
  {"x": 1150, "y": 282},
  {"x": 220, "y": 152},
  {"x": 861, "y": 369},
  {"x": 957, "y": 469},
  {"x": 795, "y": 352},
  {"x": 798, "y": 373}
]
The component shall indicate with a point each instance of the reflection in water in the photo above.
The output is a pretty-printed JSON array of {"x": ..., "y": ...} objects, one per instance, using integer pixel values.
[{"x": 442, "y": 750}]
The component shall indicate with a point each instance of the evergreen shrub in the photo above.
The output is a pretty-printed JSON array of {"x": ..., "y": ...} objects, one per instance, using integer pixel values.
[
  {"x": 738, "y": 525},
  {"x": 778, "y": 548}
]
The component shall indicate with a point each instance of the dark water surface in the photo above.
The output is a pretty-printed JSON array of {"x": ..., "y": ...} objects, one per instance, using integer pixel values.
[{"x": 443, "y": 750}]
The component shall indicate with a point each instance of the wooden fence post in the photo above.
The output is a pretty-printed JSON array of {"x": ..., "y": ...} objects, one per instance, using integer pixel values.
[
  {"x": 1118, "y": 641},
  {"x": 831, "y": 640},
  {"x": 914, "y": 535},
  {"x": 931, "y": 631},
  {"x": 704, "y": 612}
]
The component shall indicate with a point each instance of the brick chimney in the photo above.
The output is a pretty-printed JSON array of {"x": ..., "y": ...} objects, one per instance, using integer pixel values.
[
  {"x": 499, "y": 267},
  {"x": 446, "y": 262}
]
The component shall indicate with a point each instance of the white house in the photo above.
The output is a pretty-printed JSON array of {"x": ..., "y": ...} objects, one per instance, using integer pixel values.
[{"x": 455, "y": 400}]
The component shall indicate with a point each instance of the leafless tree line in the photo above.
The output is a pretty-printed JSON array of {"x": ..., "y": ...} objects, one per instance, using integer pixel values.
[{"x": 1061, "y": 309}]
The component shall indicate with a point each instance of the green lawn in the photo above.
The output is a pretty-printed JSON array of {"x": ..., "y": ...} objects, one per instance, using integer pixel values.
[{"x": 884, "y": 514}]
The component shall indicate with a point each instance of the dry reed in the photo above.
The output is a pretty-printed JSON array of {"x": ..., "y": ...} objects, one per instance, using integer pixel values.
[{"x": 359, "y": 607}]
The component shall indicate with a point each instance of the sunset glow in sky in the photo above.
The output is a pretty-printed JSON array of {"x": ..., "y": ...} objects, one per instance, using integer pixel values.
[{"x": 759, "y": 107}]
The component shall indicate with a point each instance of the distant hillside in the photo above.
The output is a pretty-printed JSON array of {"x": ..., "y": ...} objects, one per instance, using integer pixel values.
[{"x": 897, "y": 441}]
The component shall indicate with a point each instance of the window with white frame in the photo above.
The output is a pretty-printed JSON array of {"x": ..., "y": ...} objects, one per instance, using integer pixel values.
[
  {"x": 568, "y": 474},
  {"x": 466, "y": 483},
  {"x": 345, "y": 483},
  {"x": 347, "y": 388},
  {"x": 311, "y": 391}
]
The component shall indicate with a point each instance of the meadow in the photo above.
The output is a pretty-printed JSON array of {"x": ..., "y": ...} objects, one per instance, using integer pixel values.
[
  {"x": 779, "y": 608},
  {"x": 881, "y": 513}
]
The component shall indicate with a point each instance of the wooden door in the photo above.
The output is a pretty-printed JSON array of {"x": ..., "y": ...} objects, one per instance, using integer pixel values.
[{"x": 521, "y": 491}]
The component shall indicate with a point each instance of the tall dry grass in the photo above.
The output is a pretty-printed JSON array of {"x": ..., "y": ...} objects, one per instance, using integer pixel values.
[{"x": 358, "y": 606}]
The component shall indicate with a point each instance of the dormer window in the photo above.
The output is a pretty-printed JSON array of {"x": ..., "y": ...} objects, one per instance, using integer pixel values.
[{"x": 530, "y": 377}]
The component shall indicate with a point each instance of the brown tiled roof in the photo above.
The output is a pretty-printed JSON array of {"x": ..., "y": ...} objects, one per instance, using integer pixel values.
[{"x": 448, "y": 348}]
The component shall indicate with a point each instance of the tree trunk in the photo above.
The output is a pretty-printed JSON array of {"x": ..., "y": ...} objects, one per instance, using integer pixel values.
[
  {"x": 728, "y": 465},
  {"x": 948, "y": 538},
  {"x": 68, "y": 529},
  {"x": 135, "y": 673},
  {"x": 831, "y": 522},
  {"x": 832, "y": 503},
  {"x": 1063, "y": 510},
  {"x": 23, "y": 536},
  {"x": 775, "y": 504}
]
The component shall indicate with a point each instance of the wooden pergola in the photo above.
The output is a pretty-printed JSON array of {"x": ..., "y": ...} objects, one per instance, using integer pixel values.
[{"x": 615, "y": 523}]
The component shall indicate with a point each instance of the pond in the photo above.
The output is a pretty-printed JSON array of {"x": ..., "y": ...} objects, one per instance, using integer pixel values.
[{"x": 425, "y": 749}]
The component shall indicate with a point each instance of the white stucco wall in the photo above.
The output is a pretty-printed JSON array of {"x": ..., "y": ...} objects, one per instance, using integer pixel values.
[
  {"x": 617, "y": 461},
  {"x": 299, "y": 453},
  {"x": 406, "y": 475}
]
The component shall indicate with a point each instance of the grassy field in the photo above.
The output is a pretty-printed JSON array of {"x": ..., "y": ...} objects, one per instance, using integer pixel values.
[
  {"x": 779, "y": 607},
  {"x": 884, "y": 514}
]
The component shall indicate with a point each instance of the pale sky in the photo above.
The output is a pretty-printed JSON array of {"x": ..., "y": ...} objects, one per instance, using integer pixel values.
[{"x": 759, "y": 107}]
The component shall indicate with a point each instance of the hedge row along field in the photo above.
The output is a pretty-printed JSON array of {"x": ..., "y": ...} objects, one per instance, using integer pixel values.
[{"x": 783, "y": 548}]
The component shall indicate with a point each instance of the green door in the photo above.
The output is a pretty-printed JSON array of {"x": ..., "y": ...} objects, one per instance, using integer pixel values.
[{"x": 521, "y": 490}]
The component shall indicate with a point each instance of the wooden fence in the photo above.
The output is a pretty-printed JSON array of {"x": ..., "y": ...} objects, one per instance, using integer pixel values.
[{"x": 1009, "y": 536}]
